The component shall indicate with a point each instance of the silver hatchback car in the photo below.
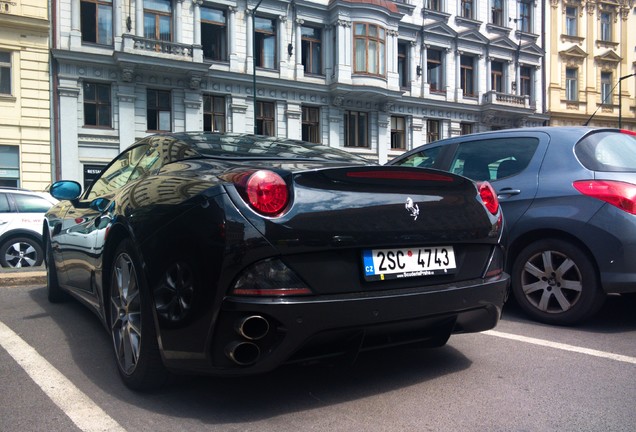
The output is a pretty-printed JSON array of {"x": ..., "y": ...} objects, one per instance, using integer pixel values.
[
  {"x": 569, "y": 200},
  {"x": 21, "y": 217}
]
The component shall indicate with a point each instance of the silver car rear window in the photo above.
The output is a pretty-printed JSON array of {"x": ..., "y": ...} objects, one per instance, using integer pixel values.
[{"x": 609, "y": 151}]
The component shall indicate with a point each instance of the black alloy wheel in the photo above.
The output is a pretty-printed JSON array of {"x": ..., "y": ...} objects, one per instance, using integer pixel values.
[
  {"x": 555, "y": 282},
  {"x": 131, "y": 323},
  {"x": 20, "y": 252}
]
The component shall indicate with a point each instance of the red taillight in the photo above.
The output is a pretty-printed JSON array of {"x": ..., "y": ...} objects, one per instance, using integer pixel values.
[
  {"x": 266, "y": 192},
  {"x": 489, "y": 197},
  {"x": 628, "y": 132},
  {"x": 616, "y": 193},
  {"x": 400, "y": 175}
]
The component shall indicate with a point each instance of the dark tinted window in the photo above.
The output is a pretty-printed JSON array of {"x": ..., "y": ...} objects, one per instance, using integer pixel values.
[
  {"x": 4, "y": 203},
  {"x": 422, "y": 159},
  {"x": 118, "y": 173},
  {"x": 31, "y": 204},
  {"x": 608, "y": 151},
  {"x": 493, "y": 159}
]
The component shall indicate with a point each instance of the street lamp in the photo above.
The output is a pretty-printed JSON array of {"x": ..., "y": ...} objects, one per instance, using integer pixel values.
[
  {"x": 620, "y": 102},
  {"x": 254, "y": 59}
]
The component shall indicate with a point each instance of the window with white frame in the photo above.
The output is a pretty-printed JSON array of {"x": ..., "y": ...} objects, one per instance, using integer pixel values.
[
  {"x": 369, "y": 46},
  {"x": 311, "y": 40},
  {"x": 435, "y": 70},
  {"x": 214, "y": 34},
  {"x": 467, "y": 9},
  {"x": 497, "y": 76},
  {"x": 97, "y": 104},
  {"x": 265, "y": 118},
  {"x": 214, "y": 113},
  {"x": 5, "y": 73},
  {"x": 158, "y": 110},
  {"x": 467, "y": 75},
  {"x": 606, "y": 88},
  {"x": 403, "y": 63},
  {"x": 96, "y": 21},
  {"x": 356, "y": 129},
  {"x": 496, "y": 12},
  {"x": 571, "y": 84},
  {"x": 606, "y": 27},
  {"x": 398, "y": 133},
  {"x": 311, "y": 124},
  {"x": 571, "y": 20},
  {"x": 158, "y": 19},
  {"x": 432, "y": 130},
  {"x": 435, "y": 5},
  {"x": 525, "y": 15},
  {"x": 265, "y": 44},
  {"x": 525, "y": 81}
]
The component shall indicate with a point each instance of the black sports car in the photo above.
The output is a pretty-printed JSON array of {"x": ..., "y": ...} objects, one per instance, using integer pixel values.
[{"x": 233, "y": 254}]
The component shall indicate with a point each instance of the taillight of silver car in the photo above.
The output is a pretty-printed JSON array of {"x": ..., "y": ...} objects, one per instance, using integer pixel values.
[{"x": 616, "y": 193}]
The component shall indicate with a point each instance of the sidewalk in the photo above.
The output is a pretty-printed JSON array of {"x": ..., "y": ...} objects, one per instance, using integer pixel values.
[{"x": 23, "y": 276}]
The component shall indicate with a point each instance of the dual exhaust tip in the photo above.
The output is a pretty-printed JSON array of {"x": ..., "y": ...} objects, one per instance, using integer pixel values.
[{"x": 246, "y": 352}]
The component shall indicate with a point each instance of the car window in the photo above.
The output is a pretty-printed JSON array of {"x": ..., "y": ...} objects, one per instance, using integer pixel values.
[
  {"x": 31, "y": 203},
  {"x": 4, "y": 203},
  {"x": 422, "y": 159},
  {"x": 493, "y": 159},
  {"x": 149, "y": 163},
  {"x": 608, "y": 151},
  {"x": 118, "y": 173}
]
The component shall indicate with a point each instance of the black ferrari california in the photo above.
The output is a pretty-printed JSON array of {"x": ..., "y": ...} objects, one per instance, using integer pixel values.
[{"x": 233, "y": 254}]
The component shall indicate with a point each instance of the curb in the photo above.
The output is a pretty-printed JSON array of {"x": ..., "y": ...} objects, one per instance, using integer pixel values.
[{"x": 12, "y": 279}]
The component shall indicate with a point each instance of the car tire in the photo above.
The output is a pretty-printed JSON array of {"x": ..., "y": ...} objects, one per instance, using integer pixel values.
[
  {"x": 54, "y": 293},
  {"x": 555, "y": 282},
  {"x": 131, "y": 323},
  {"x": 19, "y": 252}
]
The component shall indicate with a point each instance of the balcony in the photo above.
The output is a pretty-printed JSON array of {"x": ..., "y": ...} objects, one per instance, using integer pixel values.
[
  {"x": 134, "y": 44},
  {"x": 505, "y": 99}
]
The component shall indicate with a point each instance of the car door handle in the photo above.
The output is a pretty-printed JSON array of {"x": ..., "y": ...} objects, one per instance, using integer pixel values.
[{"x": 507, "y": 192}]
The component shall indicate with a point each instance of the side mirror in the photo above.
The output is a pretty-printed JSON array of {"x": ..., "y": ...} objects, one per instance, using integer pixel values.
[{"x": 66, "y": 190}]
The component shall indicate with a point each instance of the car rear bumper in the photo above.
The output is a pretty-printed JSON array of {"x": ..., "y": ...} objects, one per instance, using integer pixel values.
[{"x": 285, "y": 330}]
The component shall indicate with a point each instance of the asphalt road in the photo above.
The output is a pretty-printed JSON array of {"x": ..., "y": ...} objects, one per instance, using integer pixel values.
[{"x": 57, "y": 374}]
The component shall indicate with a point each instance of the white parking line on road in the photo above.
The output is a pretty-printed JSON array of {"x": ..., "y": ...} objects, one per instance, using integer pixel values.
[
  {"x": 561, "y": 346},
  {"x": 76, "y": 405}
]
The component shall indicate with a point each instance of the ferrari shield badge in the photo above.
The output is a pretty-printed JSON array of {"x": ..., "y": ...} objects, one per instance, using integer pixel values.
[{"x": 413, "y": 209}]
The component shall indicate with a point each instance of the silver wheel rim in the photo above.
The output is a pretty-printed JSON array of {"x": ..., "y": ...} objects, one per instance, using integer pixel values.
[
  {"x": 125, "y": 313},
  {"x": 551, "y": 282},
  {"x": 21, "y": 254}
]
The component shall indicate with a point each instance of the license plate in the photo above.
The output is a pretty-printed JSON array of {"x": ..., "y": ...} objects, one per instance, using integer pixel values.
[{"x": 383, "y": 264}]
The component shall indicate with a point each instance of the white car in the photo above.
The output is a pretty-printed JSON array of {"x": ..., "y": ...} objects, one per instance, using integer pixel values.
[{"x": 21, "y": 215}]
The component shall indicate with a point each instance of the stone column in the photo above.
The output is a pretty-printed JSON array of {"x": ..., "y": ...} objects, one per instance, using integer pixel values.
[
  {"x": 75, "y": 39},
  {"x": 294, "y": 120},
  {"x": 68, "y": 91}
]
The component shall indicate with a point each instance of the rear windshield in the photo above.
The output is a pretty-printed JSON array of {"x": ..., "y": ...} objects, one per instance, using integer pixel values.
[
  {"x": 263, "y": 147},
  {"x": 608, "y": 151}
]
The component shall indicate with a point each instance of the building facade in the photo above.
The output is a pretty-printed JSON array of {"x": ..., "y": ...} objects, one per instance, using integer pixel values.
[
  {"x": 25, "y": 119},
  {"x": 592, "y": 62},
  {"x": 374, "y": 77}
]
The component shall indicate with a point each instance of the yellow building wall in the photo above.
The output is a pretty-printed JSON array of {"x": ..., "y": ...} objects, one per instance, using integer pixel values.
[
  {"x": 25, "y": 115},
  {"x": 590, "y": 56}
]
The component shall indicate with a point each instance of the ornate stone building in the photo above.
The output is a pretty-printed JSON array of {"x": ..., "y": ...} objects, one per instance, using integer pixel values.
[
  {"x": 592, "y": 62},
  {"x": 375, "y": 77},
  {"x": 25, "y": 120}
]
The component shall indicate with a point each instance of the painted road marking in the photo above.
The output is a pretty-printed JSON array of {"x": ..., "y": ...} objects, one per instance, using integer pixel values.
[
  {"x": 76, "y": 405},
  {"x": 562, "y": 346}
]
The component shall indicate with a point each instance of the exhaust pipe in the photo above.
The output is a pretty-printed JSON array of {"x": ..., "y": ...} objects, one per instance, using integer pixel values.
[
  {"x": 253, "y": 327},
  {"x": 242, "y": 353}
]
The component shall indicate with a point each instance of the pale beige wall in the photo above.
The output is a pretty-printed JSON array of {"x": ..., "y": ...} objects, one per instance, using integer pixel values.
[{"x": 25, "y": 117}]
